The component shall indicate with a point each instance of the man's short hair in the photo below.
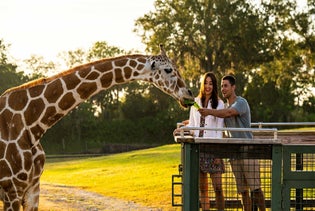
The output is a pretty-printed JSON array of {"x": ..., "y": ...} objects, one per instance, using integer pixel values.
[{"x": 230, "y": 78}]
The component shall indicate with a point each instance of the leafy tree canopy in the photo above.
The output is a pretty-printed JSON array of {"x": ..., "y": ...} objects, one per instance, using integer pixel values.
[{"x": 267, "y": 45}]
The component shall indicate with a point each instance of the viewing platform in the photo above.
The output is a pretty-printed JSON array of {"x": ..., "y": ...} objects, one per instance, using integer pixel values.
[{"x": 286, "y": 159}]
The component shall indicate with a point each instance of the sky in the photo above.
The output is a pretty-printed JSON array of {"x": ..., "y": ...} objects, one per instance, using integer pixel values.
[{"x": 49, "y": 27}]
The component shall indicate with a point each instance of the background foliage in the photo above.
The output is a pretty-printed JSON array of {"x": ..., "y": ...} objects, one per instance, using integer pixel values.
[{"x": 268, "y": 46}]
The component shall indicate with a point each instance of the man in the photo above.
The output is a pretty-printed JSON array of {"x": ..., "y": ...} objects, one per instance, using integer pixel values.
[{"x": 237, "y": 115}]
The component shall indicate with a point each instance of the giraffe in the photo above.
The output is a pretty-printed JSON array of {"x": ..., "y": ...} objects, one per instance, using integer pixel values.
[{"x": 29, "y": 110}]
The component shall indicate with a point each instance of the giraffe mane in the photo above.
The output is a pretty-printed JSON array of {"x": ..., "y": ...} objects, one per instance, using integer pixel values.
[{"x": 44, "y": 80}]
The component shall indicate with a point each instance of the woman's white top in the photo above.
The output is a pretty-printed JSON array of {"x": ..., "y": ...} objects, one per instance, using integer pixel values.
[{"x": 210, "y": 121}]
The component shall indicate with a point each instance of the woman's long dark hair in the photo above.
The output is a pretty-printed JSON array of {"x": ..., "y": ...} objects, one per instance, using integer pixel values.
[{"x": 214, "y": 96}]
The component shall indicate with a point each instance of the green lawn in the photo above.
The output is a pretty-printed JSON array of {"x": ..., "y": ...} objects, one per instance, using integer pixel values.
[{"x": 142, "y": 176}]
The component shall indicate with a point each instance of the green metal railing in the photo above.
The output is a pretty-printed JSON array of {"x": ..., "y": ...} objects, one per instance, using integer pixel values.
[{"x": 280, "y": 152}]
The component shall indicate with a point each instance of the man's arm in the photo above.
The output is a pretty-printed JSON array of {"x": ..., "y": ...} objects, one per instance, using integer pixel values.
[{"x": 222, "y": 113}]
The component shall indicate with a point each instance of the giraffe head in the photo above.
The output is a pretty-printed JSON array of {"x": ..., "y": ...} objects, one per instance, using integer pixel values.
[{"x": 165, "y": 76}]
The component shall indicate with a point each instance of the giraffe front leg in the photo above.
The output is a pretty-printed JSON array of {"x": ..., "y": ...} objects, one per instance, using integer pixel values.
[{"x": 31, "y": 197}]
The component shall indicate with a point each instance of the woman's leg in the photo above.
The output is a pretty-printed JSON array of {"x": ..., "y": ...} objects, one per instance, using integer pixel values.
[
  {"x": 246, "y": 200},
  {"x": 259, "y": 199},
  {"x": 217, "y": 187},
  {"x": 204, "y": 198}
]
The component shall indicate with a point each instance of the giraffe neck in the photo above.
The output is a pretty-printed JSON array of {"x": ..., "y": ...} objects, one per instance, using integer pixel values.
[
  {"x": 37, "y": 106},
  {"x": 27, "y": 111}
]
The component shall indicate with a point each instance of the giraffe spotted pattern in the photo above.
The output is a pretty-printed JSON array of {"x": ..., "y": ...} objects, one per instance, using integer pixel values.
[{"x": 28, "y": 111}]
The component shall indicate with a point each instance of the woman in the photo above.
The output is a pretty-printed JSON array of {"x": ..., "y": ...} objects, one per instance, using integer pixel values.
[{"x": 208, "y": 98}]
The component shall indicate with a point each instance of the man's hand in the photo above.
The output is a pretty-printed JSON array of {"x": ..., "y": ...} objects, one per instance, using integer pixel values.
[{"x": 204, "y": 111}]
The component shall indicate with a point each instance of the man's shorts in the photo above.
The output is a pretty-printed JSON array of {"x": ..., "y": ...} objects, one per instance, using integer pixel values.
[{"x": 247, "y": 174}]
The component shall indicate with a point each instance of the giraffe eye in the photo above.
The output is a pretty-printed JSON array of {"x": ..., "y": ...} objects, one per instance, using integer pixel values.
[{"x": 168, "y": 70}]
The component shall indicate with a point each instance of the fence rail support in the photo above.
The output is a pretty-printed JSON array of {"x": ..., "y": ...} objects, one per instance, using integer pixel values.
[
  {"x": 276, "y": 183},
  {"x": 190, "y": 177}
]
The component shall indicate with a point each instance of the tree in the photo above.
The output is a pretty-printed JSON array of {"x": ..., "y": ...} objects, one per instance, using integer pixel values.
[
  {"x": 287, "y": 78},
  {"x": 254, "y": 40},
  {"x": 9, "y": 77},
  {"x": 216, "y": 35},
  {"x": 74, "y": 58},
  {"x": 38, "y": 67},
  {"x": 101, "y": 50}
]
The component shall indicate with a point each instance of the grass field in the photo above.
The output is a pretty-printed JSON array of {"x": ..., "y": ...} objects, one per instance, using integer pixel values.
[{"x": 142, "y": 176}]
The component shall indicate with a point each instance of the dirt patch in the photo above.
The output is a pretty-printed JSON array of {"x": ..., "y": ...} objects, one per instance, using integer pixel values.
[{"x": 58, "y": 197}]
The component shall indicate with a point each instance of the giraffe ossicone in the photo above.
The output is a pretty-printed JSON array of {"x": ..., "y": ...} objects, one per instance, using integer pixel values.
[{"x": 29, "y": 110}]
